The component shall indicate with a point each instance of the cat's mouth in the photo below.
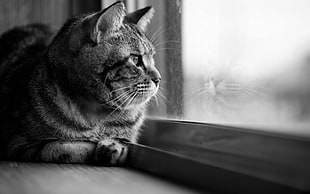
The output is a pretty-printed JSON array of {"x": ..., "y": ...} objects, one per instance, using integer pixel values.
[
  {"x": 134, "y": 95},
  {"x": 144, "y": 92},
  {"x": 146, "y": 88}
]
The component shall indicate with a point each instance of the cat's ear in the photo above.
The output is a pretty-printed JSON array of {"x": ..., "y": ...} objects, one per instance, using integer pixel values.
[
  {"x": 97, "y": 25},
  {"x": 109, "y": 20},
  {"x": 141, "y": 17}
]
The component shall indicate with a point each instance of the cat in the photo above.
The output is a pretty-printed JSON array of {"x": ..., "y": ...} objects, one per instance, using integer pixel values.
[{"x": 76, "y": 96}]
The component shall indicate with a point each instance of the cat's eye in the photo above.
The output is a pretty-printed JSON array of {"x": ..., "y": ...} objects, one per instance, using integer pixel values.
[{"x": 135, "y": 59}]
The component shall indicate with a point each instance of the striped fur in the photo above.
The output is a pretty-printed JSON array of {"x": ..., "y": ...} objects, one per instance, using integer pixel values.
[{"x": 73, "y": 98}]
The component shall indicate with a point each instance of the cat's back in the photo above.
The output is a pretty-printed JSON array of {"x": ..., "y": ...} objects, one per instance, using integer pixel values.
[
  {"x": 24, "y": 41},
  {"x": 20, "y": 49}
]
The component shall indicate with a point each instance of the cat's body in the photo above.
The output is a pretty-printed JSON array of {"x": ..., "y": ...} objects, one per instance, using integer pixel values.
[{"x": 75, "y": 99}]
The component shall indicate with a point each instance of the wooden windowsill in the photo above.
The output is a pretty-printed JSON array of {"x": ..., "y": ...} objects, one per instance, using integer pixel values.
[
  {"x": 197, "y": 157},
  {"x": 45, "y": 178},
  {"x": 222, "y": 158}
]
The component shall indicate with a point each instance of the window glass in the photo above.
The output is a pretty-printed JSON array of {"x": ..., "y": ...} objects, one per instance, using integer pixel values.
[
  {"x": 247, "y": 62},
  {"x": 240, "y": 62}
]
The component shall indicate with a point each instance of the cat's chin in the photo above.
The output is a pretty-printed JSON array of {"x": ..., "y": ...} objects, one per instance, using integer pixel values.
[
  {"x": 90, "y": 105},
  {"x": 136, "y": 105}
]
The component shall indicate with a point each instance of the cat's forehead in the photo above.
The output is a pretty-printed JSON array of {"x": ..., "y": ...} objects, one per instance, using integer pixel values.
[{"x": 137, "y": 40}]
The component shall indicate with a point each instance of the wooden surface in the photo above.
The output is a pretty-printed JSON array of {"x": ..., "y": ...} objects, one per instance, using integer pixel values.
[{"x": 41, "y": 178}]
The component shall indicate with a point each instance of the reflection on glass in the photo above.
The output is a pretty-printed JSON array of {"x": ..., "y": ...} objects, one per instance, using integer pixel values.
[{"x": 247, "y": 62}]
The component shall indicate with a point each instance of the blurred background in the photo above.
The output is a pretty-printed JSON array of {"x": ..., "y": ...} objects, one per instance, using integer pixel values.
[
  {"x": 241, "y": 62},
  {"x": 52, "y": 12}
]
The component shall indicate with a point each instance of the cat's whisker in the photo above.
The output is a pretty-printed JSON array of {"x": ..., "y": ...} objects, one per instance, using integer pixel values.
[
  {"x": 252, "y": 95},
  {"x": 128, "y": 94},
  {"x": 161, "y": 94},
  {"x": 193, "y": 92},
  {"x": 162, "y": 49},
  {"x": 233, "y": 83},
  {"x": 166, "y": 42},
  {"x": 161, "y": 32},
  {"x": 120, "y": 97},
  {"x": 160, "y": 98},
  {"x": 256, "y": 92},
  {"x": 265, "y": 96},
  {"x": 156, "y": 100},
  {"x": 130, "y": 98},
  {"x": 200, "y": 91},
  {"x": 253, "y": 92},
  {"x": 119, "y": 106},
  {"x": 232, "y": 87},
  {"x": 232, "y": 90},
  {"x": 166, "y": 51},
  {"x": 105, "y": 79},
  {"x": 155, "y": 33},
  {"x": 162, "y": 82},
  {"x": 133, "y": 96},
  {"x": 203, "y": 92},
  {"x": 123, "y": 88}
]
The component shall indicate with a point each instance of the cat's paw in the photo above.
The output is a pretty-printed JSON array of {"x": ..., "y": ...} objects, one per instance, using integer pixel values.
[{"x": 110, "y": 152}]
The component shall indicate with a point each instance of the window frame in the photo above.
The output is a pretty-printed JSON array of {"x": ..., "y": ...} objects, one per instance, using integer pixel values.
[{"x": 168, "y": 148}]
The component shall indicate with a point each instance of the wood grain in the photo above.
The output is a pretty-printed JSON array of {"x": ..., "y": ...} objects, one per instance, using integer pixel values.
[{"x": 45, "y": 178}]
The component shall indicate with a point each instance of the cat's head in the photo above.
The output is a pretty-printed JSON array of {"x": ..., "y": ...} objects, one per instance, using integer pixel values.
[{"x": 107, "y": 57}]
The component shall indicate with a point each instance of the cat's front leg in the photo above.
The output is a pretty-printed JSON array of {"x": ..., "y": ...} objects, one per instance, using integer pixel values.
[
  {"x": 68, "y": 152},
  {"x": 106, "y": 152},
  {"x": 110, "y": 152},
  {"x": 53, "y": 151}
]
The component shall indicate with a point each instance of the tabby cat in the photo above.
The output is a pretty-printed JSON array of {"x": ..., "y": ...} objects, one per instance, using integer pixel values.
[{"x": 76, "y": 96}]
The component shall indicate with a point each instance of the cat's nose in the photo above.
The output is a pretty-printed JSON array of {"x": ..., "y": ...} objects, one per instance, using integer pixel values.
[
  {"x": 156, "y": 80},
  {"x": 155, "y": 76}
]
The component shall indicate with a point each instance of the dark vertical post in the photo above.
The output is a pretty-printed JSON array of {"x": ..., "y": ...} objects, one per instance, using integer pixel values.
[
  {"x": 82, "y": 6},
  {"x": 173, "y": 59}
]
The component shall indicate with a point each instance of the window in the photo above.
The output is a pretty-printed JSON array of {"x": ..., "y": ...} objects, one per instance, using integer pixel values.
[
  {"x": 247, "y": 63},
  {"x": 235, "y": 86},
  {"x": 241, "y": 63}
]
